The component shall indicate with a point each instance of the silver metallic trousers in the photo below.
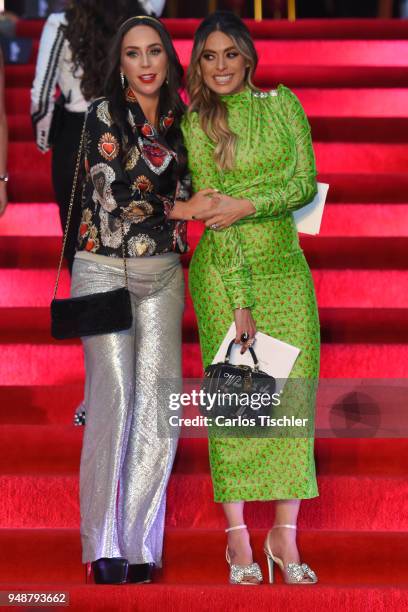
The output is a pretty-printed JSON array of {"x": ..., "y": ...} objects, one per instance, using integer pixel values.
[{"x": 125, "y": 465}]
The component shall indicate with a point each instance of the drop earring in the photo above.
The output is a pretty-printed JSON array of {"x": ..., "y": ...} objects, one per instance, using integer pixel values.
[{"x": 122, "y": 79}]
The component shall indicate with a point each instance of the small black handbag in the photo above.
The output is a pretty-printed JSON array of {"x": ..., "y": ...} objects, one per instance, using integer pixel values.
[
  {"x": 237, "y": 389},
  {"x": 88, "y": 315}
]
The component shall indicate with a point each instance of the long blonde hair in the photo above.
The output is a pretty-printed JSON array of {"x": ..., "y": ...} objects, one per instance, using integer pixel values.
[{"x": 212, "y": 111}]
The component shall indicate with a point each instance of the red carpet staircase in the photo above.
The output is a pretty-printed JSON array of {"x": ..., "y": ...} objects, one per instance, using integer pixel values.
[{"x": 352, "y": 78}]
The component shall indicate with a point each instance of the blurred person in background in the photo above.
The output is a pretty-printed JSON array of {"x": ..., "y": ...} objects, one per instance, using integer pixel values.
[
  {"x": 153, "y": 7},
  {"x": 72, "y": 57},
  {"x": 3, "y": 142}
]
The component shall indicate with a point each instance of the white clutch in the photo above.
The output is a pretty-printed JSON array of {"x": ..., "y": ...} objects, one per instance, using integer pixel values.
[
  {"x": 308, "y": 219},
  {"x": 276, "y": 358}
]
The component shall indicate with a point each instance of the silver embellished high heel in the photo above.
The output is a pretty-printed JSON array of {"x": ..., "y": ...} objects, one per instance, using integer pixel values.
[
  {"x": 238, "y": 573},
  {"x": 293, "y": 573}
]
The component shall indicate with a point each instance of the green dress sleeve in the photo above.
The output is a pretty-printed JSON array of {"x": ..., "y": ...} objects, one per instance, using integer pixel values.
[
  {"x": 301, "y": 187},
  {"x": 228, "y": 257}
]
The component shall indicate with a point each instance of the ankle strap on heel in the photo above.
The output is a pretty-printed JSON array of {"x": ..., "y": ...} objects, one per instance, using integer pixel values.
[
  {"x": 290, "y": 526},
  {"x": 234, "y": 528}
]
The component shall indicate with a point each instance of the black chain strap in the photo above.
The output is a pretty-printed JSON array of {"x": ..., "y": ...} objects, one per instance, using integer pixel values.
[{"x": 71, "y": 203}]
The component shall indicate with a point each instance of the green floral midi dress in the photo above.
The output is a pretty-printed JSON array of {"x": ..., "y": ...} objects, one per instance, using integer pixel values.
[{"x": 258, "y": 263}]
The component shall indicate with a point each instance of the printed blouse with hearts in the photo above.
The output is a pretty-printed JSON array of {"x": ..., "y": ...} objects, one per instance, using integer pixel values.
[{"x": 140, "y": 191}]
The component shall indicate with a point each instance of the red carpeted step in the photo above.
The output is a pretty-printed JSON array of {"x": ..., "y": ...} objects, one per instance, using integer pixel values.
[
  {"x": 20, "y": 128},
  {"x": 338, "y": 53},
  {"x": 324, "y": 129},
  {"x": 330, "y": 76},
  {"x": 17, "y": 100},
  {"x": 354, "y": 305},
  {"x": 19, "y": 75},
  {"x": 335, "y": 53},
  {"x": 30, "y": 173},
  {"x": 345, "y": 220},
  {"x": 345, "y": 129},
  {"x": 329, "y": 103},
  {"x": 55, "y": 450},
  {"x": 334, "y": 160},
  {"x": 335, "y": 115},
  {"x": 54, "y": 364},
  {"x": 320, "y": 52},
  {"x": 372, "y": 503},
  {"x": 198, "y": 558},
  {"x": 373, "y": 103},
  {"x": 352, "y": 235},
  {"x": 334, "y": 289},
  {"x": 331, "y": 157},
  {"x": 338, "y": 324},
  {"x": 39, "y": 404},
  {"x": 224, "y": 597},
  {"x": 347, "y": 157},
  {"x": 371, "y": 188},
  {"x": 353, "y": 129},
  {"x": 356, "y": 102},
  {"x": 358, "y": 130},
  {"x": 275, "y": 29},
  {"x": 269, "y": 76}
]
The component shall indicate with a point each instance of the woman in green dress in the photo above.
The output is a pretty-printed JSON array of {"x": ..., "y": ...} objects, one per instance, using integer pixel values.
[{"x": 255, "y": 149}]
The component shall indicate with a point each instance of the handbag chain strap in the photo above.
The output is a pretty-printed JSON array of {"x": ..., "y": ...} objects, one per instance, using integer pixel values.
[
  {"x": 71, "y": 204},
  {"x": 124, "y": 254}
]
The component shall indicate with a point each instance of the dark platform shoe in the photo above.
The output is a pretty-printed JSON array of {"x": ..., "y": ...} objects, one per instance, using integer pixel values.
[
  {"x": 140, "y": 572},
  {"x": 109, "y": 570}
]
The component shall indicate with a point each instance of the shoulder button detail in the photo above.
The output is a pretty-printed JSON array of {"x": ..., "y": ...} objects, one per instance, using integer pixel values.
[{"x": 265, "y": 94}]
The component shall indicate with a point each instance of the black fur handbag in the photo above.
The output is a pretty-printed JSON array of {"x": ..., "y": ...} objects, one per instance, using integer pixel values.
[
  {"x": 235, "y": 388},
  {"x": 88, "y": 315}
]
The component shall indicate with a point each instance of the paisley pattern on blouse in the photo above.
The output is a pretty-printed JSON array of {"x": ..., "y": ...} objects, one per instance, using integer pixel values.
[
  {"x": 140, "y": 190},
  {"x": 103, "y": 113}
]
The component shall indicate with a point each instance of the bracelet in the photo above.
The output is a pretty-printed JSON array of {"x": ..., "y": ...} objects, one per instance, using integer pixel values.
[{"x": 4, "y": 178}]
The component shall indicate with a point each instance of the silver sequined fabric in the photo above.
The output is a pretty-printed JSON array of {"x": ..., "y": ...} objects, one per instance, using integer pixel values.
[{"x": 125, "y": 466}]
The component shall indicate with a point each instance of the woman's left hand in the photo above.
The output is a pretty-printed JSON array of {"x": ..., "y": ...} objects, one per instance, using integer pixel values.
[{"x": 228, "y": 211}]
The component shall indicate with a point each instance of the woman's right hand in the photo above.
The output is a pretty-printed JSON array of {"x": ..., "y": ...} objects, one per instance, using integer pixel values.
[
  {"x": 201, "y": 205},
  {"x": 244, "y": 323}
]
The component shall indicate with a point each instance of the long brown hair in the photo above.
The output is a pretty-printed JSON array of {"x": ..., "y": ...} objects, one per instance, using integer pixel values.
[
  {"x": 169, "y": 94},
  {"x": 211, "y": 109},
  {"x": 91, "y": 25}
]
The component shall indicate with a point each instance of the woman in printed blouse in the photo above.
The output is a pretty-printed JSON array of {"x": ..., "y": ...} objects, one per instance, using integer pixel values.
[
  {"x": 256, "y": 149},
  {"x": 134, "y": 166},
  {"x": 71, "y": 58}
]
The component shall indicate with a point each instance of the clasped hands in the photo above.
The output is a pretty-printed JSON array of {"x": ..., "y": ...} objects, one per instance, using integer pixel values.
[{"x": 218, "y": 210}]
